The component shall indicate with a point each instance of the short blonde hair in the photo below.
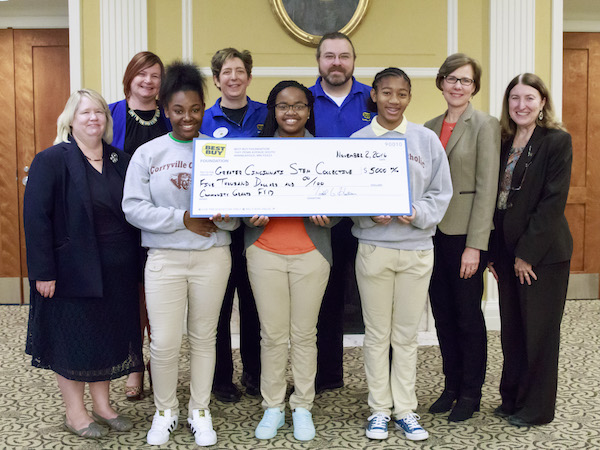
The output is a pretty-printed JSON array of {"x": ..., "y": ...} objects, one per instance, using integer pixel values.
[{"x": 63, "y": 124}]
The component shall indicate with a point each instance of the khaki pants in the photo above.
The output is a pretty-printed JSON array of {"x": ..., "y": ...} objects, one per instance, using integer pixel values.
[
  {"x": 174, "y": 280},
  {"x": 288, "y": 290},
  {"x": 393, "y": 288}
]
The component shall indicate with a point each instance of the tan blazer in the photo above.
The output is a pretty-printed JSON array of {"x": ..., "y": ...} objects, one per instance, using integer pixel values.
[{"x": 474, "y": 156}]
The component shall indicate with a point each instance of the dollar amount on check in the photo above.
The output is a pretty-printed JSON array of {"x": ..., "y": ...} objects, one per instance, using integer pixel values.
[{"x": 300, "y": 177}]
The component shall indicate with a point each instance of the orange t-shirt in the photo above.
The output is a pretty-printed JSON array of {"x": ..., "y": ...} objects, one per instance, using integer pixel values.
[
  {"x": 446, "y": 132},
  {"x": 285, "y": 236}
]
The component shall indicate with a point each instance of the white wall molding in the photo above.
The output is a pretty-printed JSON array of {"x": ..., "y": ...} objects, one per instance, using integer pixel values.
[
  {"x": 75, "y": 45},
  {"x": 452, "y": 39},
  {"x": 187, "y": 31},
  {"x": 556, "y": 68},
  {"x": 512, "y": 45},
  {"x": 123, "y": 33},
  {"x": 313, "y": 72}
]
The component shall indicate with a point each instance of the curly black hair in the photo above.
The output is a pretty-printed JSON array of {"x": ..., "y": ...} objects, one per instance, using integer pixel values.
[{"x": 181, "y": 76}]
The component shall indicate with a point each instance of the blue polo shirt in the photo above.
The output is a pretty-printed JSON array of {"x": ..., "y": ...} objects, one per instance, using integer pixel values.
[
  {"x": 216, "y": 124},
  {"x": 332, "y": 120}
]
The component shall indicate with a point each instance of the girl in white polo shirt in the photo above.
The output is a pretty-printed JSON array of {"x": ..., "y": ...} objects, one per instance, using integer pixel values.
[{"x": 395, "y": 260}]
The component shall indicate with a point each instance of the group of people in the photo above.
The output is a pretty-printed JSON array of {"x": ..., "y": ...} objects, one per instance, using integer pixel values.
[{"x": 114, "y": 254}]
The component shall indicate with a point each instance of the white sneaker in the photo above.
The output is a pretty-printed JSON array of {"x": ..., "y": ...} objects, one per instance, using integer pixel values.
[
  {"x": 163, "y": 424},
  {"x": 202, "y": 428}
]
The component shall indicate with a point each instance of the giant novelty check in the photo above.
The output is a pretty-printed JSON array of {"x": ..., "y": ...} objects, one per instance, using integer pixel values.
[{"x": 300, "y": 177}]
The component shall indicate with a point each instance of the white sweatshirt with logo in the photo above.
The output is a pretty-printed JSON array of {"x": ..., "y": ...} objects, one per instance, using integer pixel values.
[{"x": 157, "y": 194}]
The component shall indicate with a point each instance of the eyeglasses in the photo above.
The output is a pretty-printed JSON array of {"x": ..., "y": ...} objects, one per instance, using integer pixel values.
[
  {"x": 284, "y": 107},
  {"x": 464, "y": 81}
]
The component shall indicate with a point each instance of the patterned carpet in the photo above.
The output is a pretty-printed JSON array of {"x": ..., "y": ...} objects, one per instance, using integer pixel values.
[{"x": 31, "y": 411}]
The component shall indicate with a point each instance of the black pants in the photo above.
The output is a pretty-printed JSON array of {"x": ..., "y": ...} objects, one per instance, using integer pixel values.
[
  {"x": 341, "y": 289},
  {"x": 530, "y": 318},
  {"x": 459, "y": 321},
  {"x": 249, "y": 324}
]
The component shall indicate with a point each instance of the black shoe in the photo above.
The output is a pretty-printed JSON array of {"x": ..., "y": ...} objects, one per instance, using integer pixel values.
[
  {"x": 464, "y": 409},
  {"x": 322, "y": 387},
  {"x": 250, "y": 384},
  {"x": 501, "y": 412},
  {"x": 444, "y": 403},
  {"x": 228, "y": 393},
  {"x": 518, "y": 422}
]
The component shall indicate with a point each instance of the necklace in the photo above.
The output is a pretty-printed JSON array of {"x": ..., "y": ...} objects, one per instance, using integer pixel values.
[
  {"x": 90, "y": 159},
  {"x": 145, "y": 123}
]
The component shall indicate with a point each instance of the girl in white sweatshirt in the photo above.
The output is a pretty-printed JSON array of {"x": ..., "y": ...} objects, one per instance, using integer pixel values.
[{"x": 188, "y": 259}]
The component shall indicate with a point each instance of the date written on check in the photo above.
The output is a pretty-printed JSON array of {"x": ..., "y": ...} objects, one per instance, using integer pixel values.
[{"x": 300, "y": 177}]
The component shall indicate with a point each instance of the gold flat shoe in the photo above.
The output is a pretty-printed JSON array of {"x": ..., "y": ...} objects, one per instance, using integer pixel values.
[
  {"x": 119, "y": 423},
  {"x": 92, "y": 431},
  {"x": 134, "y": 393}
]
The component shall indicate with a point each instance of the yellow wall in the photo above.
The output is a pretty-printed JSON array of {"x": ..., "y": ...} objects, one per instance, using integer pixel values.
[
  {"x": 90, "y": 45},
  {"x": 474, "y": 40},
  {"x": 543, "y": 39},
  {"x": 164, "y": 28},
  {"x": 403, "y": 33}
]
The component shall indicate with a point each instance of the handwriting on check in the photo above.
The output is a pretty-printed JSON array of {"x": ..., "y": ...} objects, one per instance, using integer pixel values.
[{"x": 257, "y": 180}]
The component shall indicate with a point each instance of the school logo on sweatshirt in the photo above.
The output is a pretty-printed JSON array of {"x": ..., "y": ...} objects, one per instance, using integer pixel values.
[
  {"x": 182, "y": 180},
  {"x": 214, "y": 150}
]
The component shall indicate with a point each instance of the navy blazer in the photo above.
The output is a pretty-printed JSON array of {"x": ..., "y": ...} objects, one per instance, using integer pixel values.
[
  {"x": 59, "y": 223},
  {"x": 534, "y": 224}
]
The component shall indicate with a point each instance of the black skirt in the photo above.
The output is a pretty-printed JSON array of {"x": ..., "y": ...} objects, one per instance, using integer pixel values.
[{"x": 91, "y": 339}]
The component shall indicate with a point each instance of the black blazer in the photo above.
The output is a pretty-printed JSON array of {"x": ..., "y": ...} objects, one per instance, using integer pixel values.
[
  {"x": 58, "y": 220},
  {"x": 534, "y": 223}
]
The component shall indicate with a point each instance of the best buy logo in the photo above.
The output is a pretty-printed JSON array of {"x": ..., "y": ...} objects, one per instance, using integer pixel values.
[{"x": 217, "y": 150}]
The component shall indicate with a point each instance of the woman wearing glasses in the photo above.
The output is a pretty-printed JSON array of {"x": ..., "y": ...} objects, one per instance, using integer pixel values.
[
  {"x": 289, "y": 259},
  {"x": 531, "y": 249},
  {"x": 472, "y": 142}
]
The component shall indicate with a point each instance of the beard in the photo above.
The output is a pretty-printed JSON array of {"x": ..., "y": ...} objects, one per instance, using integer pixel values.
[{"x": 336, "y": 76}]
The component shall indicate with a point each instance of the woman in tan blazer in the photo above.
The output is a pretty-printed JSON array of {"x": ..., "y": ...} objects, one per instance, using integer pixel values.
[{"x": 472, "y": 142}]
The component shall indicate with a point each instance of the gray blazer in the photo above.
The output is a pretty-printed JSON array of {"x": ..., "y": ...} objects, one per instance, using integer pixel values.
[{"x": 474, "y": 156}]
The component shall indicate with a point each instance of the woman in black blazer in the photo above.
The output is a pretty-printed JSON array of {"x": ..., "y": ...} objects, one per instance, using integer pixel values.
[
  {"x": 531, "y": 249},
  {"x": 82, "y": 258}
]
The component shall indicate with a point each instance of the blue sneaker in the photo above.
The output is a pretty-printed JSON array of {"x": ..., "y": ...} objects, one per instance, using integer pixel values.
[
  {"x": 304, "y": 429},
  {"x": 377, "y": 428},
  {"x": 410, "y": 425},
  {"x": 272, "y": 420}
]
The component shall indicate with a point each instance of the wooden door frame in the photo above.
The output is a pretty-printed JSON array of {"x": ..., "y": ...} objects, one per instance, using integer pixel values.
[
  {"x": 583, "y": 203},
  {"x": 10, "y": 219}
]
